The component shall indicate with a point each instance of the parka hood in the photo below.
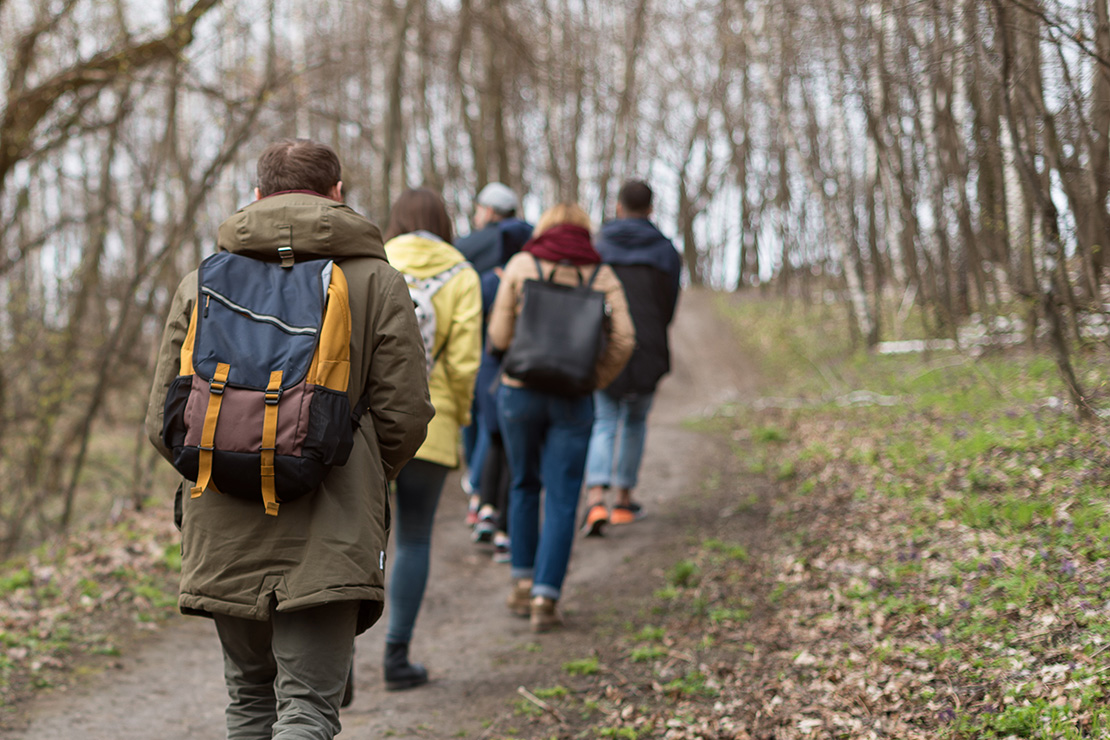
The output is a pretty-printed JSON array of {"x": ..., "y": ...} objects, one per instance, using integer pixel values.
[
  {"x": 422, "y": 254},
  {"x": 636, "y": 241},
  {"x": 314, "y": 226}
]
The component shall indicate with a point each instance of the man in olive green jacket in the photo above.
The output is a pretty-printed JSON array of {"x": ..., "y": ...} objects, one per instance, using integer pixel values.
[{"x": 290, "y": 593}]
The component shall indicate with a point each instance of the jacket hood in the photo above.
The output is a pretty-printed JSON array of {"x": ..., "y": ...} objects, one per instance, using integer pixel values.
[
  {"x": 636, "y": 241},
  {"x": 422, "y": 254},
  {"x": 314, "y": 226}
]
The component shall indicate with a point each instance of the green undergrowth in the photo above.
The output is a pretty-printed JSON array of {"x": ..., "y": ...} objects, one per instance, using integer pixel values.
[
  {"x": 74, "y": 599},
  {"x": 669, "y": 669},
  {"x": 945, "y": 519}
]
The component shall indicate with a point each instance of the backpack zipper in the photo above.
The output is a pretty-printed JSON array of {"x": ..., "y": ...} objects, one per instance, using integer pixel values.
[{"x": 266, "y": 318}]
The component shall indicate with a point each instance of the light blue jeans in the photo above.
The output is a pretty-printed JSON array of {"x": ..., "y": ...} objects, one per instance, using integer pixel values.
[
  {"x": 627, "y": 419},
  {"x": 419, "y": 485},
  {"x": 545, "y": 440}
]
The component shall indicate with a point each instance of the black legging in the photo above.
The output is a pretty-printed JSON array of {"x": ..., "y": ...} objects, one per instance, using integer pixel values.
[{"x": 494, "y": 482}]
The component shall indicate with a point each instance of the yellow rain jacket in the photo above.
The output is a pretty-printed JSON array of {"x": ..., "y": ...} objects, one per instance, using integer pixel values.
[{"x": 458, "y": 306}]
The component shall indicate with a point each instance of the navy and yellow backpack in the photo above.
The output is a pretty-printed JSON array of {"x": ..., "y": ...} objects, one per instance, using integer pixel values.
[{"x": 259, "y": 409}]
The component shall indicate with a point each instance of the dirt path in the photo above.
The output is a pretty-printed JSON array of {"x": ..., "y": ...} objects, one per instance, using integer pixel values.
[{"x": 170, "y": 686}]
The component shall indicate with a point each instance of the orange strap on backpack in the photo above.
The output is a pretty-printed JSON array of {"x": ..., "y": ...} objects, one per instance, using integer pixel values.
[
  {"x": 208, "y": 433},
  {"x": 269, "y": 443}
]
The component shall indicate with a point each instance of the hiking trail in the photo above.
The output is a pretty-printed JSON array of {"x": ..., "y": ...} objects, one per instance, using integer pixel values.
[{"x": 169, "y": 685}]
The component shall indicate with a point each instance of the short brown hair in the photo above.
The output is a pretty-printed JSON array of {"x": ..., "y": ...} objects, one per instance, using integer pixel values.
[
  {"x": 419, "y": 209},
  {"x": 562, "y": 213},
  {"x": 635, "y": 197},
  {"x": 297, "y": 164}
]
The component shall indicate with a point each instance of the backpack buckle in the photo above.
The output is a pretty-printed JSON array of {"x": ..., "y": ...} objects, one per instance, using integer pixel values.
[
  {"x": 286, "y": 254},
  {"x": 216, "y": 387},
  {"x": 272, "y": 397}
]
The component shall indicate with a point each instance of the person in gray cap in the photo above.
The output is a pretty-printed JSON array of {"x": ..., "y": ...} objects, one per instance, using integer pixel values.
[
  {"x": 498, "y": 234},
  {"x": 497, "y": 230}
]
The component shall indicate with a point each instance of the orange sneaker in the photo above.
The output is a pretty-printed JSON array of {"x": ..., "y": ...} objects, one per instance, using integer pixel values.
[
  {"x": 627, "y": 513},
  {"x": 596, "y": 518}
]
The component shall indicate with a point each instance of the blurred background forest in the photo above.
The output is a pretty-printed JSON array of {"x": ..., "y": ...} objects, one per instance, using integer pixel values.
[{"x": 925, "y": 165}]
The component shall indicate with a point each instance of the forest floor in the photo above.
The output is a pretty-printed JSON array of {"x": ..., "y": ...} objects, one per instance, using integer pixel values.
[
  {"x": 165, "y": 680},
  {"x": 839, "y": 545}
]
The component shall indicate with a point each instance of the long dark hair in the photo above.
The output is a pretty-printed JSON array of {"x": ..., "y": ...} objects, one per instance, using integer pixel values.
[{"x": 419, "y": 209}]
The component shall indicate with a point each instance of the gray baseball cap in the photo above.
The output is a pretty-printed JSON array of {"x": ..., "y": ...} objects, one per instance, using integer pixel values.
[{"x": 498, "y": 196}]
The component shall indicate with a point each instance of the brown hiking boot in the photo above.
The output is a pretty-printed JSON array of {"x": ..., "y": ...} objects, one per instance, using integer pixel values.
[
  {"x": 544, "y": 615},
  {"x": 520, "y": 598}
]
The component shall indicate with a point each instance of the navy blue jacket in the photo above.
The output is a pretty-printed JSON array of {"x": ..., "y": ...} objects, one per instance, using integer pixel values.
[
  {"x": 482, "y": 248},
  {"x": 494, "y": 243},
  {"x": 650, "y": 269},
  {"x": 513, "y": 235}
]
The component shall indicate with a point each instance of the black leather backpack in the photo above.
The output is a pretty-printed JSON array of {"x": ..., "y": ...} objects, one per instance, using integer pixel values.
[{"x": 559, "y": 335}]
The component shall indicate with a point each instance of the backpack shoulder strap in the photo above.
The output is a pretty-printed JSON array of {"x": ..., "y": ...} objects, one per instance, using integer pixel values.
[
  {"x": 430, "y": 286},
  {"x": 539, "y": 269},
  {"x": 593, "y": 276}
]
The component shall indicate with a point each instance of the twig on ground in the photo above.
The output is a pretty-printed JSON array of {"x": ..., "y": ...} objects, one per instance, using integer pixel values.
[
  {"x": 1099, "y": 651},
  {"x": 540, "y": 703}
]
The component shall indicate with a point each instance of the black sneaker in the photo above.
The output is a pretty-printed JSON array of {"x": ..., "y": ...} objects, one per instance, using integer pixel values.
[{"x": 484, "y": 529}]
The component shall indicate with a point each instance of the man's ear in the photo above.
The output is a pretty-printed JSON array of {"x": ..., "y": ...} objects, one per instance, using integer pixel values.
[
  {"x": 336, "y": 192},
  {"x": 257, "y": 194}
]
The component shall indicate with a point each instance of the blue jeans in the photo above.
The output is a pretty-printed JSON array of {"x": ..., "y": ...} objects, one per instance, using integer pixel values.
[
  {"x": 628, "y": 418},
  {"x": 545, "y": 438},
  {"x": 477, "y": 457},
  {"x": 418, "y": 488}
]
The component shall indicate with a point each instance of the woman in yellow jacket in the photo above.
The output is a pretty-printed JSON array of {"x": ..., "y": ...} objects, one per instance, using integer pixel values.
[{"x": 419, "y": 245}]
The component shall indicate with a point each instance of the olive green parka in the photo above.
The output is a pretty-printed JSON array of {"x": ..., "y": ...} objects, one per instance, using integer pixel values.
[{"x": 328, "y": 546}]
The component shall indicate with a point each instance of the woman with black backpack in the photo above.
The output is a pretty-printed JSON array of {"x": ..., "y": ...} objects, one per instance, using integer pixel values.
[{"x": 561, "y": 318}]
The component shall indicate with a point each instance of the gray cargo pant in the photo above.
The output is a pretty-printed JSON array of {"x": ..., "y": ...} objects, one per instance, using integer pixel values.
[{"x": 286, "y": 676}]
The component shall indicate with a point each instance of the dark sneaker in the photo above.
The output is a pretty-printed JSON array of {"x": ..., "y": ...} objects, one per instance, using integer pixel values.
[
  {"x": 627, "y": 513},
  {"x": 484, "y": 529},
  {"x": 501, "y": 551},
  {"x": 597, "y": 516}
]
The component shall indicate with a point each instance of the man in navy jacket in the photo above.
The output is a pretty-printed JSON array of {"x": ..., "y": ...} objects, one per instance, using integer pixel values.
[{"x": 649, "y": 267}]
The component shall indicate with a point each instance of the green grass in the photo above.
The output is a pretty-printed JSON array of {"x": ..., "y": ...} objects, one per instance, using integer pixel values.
[
  {"x": 683, "y": 574},
  {"x": 693, "y": 683},
  {"x": 990, "y": 564},
  {"x": 15, "y": 580},
  {"x": 584, "y": 667},
  {"x": 650, "y": 634},
  {"x": 647, "y": 654}
]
